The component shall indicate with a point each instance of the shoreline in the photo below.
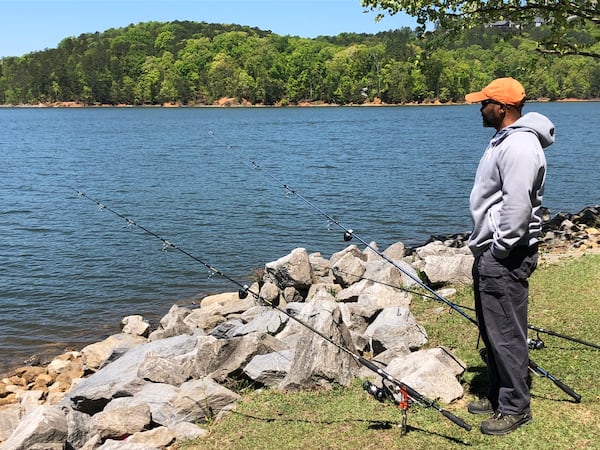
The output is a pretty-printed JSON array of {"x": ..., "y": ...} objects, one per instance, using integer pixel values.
[
  {"x": 232, "y": 103},
  {"x": 564, "y": 236}
]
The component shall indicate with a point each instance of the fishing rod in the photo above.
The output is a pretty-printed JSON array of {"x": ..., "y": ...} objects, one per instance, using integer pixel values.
[
  {"x": 534, "y": 344},
  {"x": 349, "y": 234},
  {"x": 562, "y": 336},
  {"x": 243, "y": 292}
]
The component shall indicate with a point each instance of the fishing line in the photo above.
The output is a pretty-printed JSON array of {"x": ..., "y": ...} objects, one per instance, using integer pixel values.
[
  {"x": 349, "y": 234},
  {"x": 166, "y": 243},
  {"x": 562, "y": 336},
  {"x": 534, "y": 344},
  {"x": 400, "y": 288},
  {"x": 245, "y": 290}
]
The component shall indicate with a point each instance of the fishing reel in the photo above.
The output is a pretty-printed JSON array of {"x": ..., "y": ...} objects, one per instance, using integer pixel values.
[
  {"x": 348, "y": 235},
  {"x": 384, "y": 393},
  {"x": 243, "y": 292},
  {"x": 535, "y": 344},
  {"x": 381, "y": 394}
]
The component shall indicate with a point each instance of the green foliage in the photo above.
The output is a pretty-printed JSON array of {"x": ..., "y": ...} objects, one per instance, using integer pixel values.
[
  {"x": 194, "y": 63},
  {"x": 562, "y": 19}
]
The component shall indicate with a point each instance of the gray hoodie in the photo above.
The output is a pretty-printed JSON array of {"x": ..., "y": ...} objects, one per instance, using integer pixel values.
[{"x": 509, "y": 185}]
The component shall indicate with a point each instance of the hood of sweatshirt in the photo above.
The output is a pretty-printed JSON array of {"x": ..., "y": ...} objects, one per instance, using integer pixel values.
[{"x": 532, "y": 122}]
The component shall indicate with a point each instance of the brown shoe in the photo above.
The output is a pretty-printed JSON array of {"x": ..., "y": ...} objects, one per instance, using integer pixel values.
[{"x": 501, "y": 423}]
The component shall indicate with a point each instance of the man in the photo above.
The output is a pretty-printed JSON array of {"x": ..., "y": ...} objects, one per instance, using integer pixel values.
[{"x": 505, "y": 206}]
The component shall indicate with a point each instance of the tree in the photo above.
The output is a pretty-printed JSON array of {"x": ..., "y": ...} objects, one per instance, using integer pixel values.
[
  {"x": 198, "y": 63},
  {"x": 560, "y": 17}
]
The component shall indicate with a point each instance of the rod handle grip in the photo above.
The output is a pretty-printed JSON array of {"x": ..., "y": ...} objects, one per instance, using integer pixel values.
[
  {"x": 568, "y": 390},
  {"x": 457, "y": 420}
]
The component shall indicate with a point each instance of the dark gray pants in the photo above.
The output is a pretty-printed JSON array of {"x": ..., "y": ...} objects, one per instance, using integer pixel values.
[{"x": 501, "y": 297}]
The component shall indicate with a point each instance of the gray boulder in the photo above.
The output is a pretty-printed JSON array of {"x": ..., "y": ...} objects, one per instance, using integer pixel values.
[
  {"x": 99, "y": 353},
  {"x": 270, "y": 321},
  {"x": 433, "y": 373},
  {"x": 172, "y": 324},
  {"x": 9, "y": 419},
  {"x": 120, "y": 378},
  {"x": 348, "y": 269},
  {"x": 320, "y": 269},
  {"x": 160, "y": 438},
  {"x": 45, "y": 425},
  {"x": 270, "y": 369},
  {"x": 201, "y": 400},
  {"x": 318, "y": 362},
  {"x": 116, "y": 423},
  {"x": 293, "y": 270},
  {"x": 396, "y": 327},
  {"x": 224, "y": 358},
  {"x": 443, "y": 264},
  {"x": 135, "y": 325}
]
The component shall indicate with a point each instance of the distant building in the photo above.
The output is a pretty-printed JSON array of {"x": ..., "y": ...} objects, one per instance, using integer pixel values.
[
  {"x": 503, "y": 25},
  {"x": 509, "y": 25}
]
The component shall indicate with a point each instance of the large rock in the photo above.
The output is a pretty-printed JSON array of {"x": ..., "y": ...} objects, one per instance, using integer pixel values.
[
  {"x": 157, "y": 396},
  {"x": 443, "y": 264},
  {"x": 135, "y": 325},
  {"x": 293, "y": 270},
  {"x": 433, "y": 373},
  {"x": 163, "y": 369},
  {"x": 383, "y": 296},
  {"x": 398, "y": 274},
  {"x": 396, "y": 252},
  {"x": 321, "y": 269},
  {"x": 224, "y": 358},
  {"x": 449, "y": 269},
  {"x": 348, "y": 269},
  {"x": 160, "y": 437},
  {"x": 120, "y": 378},
  {"x": 197, "y": 400},
  {"x": 187, "y": 430},
  {"x": 226, "y": 304},
  {"x": 172, "y": 324},
  {"x": 44, "y": 425},
  {"x": 333, "y": 288},
  {"x": 396, "y": 327},
  {"x": 9, "y": 419},
  {"x": 202, "y": 400},
  {"x": 358, "y": 317},
  {"x": 97, "y": 354},
  {"x": 270, "y": 369},
  {"x": 318, "y": 362},
  {"x": 351, "y": 249},
  {"x": 78, "y": 424},
  {"x": 270, "y": 293},
  {"x": 270, "y": 321},
  {"x": 116, "y": 423}
]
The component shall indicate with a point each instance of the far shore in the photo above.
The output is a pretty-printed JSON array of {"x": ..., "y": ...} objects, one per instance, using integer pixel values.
[{"x": 233, "y": 103}]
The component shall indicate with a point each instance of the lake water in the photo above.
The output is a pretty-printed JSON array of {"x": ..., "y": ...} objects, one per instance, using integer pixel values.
[{"x": 69, "y": 271}]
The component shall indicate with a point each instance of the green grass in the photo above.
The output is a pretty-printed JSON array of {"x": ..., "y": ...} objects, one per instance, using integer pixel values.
[{"x": 564, "y": 299}]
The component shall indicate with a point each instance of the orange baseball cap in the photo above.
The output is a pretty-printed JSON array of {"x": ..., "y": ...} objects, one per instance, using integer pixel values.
[{"x": 504, "y": 90}]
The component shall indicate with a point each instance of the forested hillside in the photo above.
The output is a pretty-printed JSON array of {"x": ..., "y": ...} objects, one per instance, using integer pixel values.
[{"x": 198, "y": 63}]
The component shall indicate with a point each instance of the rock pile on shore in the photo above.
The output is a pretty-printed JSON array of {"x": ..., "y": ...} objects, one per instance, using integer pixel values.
[{"x": 147, "y": 389}]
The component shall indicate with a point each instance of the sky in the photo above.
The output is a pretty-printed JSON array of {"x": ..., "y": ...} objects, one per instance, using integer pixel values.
[{"x": 33, "y": 25}]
